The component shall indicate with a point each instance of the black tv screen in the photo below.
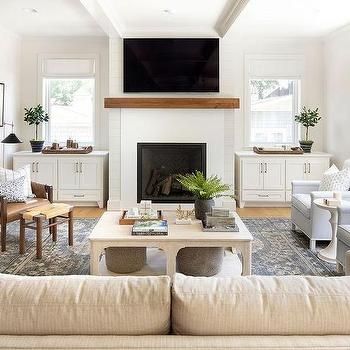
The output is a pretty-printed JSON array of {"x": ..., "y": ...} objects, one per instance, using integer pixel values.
[{"x": 171, "y": 65}]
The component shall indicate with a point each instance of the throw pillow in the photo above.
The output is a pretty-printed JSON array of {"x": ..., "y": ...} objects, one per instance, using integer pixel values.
[
  {"x": 8, "y": 175},
  {"x": 335, "y": 180},
  {"x": 13, "y": 190}
]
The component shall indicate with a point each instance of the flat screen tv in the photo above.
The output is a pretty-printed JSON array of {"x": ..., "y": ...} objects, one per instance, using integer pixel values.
[{"x": 171, "y": 65}]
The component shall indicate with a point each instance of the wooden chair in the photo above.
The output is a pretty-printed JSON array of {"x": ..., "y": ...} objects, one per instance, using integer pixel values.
[{"x": 10, "y": 212}]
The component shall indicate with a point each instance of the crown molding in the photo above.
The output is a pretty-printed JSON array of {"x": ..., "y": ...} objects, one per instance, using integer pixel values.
[{"x": 229, "y": 16}]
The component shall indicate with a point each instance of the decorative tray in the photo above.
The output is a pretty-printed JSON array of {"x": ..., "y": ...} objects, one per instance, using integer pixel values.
[
  {"x": 65, "y": 150},
  {"x": 125, "y": 221},
  {"x": 293, "y": 150}
]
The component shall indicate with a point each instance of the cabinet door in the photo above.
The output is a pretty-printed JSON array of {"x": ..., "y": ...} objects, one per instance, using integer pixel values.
[
  {"x": 90, "y": 171},
  {"x": 252, "y": 174},
  {"x": 19, "y": 162},
  {"x": 68, "y": 173},
  {"x": 295, "y": 170},
  {"x": 316, "y": 167},
  {"x": 274, "y": 174},
  {"x": 46, "y": 171}
]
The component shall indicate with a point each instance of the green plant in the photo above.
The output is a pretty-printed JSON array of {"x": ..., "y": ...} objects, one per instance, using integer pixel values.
[
  {"x": 35, "y": 115},
  {"x": 203, "y": 188},
  {"x": 308, "y": 118}
]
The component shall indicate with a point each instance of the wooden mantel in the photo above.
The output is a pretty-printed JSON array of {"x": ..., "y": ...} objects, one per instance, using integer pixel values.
[{"x": 165, "y": 102}]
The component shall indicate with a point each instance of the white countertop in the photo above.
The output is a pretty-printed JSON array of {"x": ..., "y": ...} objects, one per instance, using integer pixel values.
[
  {"x": 307, "y": 155},
  {"x": 34, "y": 154}
]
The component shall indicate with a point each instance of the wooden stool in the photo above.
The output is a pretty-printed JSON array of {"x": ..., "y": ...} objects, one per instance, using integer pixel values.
[{"x": 48, "y": 212}]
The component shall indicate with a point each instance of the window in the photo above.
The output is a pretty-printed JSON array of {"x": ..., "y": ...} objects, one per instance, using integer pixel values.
[
  {"x": 70, "y": 103},
  {"x": 272, "y": 105},
  {"x": 69, "y": 96}
]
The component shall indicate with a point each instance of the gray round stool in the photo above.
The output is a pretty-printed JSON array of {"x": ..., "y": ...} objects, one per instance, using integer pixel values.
[
  {"x": 200, "y": 261},
  {"x": 126, "y": 259}
]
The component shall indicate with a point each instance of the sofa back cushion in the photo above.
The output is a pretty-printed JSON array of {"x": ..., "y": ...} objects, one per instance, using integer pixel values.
[
  {"x": 261, "y": 305},
  {"x": 76, "y": 305}
]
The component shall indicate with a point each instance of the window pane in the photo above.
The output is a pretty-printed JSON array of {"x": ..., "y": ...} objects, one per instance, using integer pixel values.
[
  {"x": 70, "y": 103},
  {"x": 272, "y": 111}
]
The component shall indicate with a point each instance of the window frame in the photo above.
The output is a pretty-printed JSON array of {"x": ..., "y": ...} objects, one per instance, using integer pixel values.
[
  {"x": 42, "y": 75},
  {"x": 296, "y": 108}
]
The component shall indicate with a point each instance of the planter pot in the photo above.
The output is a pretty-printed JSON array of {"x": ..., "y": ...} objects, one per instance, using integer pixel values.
[
  {"x": 202, "y": 206},
  {"x": 200, "y": 261},
  {"x": 37, "y": 146},
  {"x": 306, "y": 146}
]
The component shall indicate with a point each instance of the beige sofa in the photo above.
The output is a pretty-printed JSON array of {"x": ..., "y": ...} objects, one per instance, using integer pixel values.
[{"x": 87, "y": 312}]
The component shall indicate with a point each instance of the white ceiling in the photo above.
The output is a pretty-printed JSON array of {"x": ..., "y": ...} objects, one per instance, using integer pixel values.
[
  {"x": 297, "y": 18},
  {"x": 164, "y": 17},
  {"x": 281, "y": 18},
  {"x": 54, "y": 18}
]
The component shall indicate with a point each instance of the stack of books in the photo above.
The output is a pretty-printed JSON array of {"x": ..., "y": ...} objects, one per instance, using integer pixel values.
[{"x": 150, "y": 228}]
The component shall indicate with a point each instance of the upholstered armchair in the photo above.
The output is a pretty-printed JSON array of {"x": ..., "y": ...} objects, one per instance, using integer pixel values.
[
  {"x": 343, "y": 238},
  {"x": 309, "y": 218},
  {"x": 11, "y": 211}
]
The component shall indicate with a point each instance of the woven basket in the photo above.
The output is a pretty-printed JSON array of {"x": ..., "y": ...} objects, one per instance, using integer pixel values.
[
  {"x": 200, "y": 261},
  {"x": 126, "y": 259}
]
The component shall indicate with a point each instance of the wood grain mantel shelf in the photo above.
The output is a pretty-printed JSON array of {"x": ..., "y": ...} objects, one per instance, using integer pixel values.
[{"x": 160, "y": 102}]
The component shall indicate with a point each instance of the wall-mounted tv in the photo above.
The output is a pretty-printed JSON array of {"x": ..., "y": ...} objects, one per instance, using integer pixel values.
[{"x": 171, "y": 65}]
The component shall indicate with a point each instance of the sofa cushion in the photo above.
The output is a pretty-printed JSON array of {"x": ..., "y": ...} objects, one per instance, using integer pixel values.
[
  {"x": 10, "y": 175},
  {"x": 78, "y": 305},
  {"x": 343, "y": 234},
  {"x": 261, "y": 305},
  {"x": 302, "y": 202},
  {"x": 13, "y": 190},
  {"x": 14, "y": 209}
]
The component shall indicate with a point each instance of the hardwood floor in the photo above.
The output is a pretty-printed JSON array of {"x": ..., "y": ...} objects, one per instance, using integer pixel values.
[{"x": 94, "y": 212}]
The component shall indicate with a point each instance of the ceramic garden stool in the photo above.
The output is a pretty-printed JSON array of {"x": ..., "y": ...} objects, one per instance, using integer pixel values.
[{"x": 36, "y": 218}]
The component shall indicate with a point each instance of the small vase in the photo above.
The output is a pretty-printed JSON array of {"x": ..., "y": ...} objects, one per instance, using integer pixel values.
[
  {"x": 202, "y": 206},
  {"x": 37, "y": 146},
  {"x": 306, "y": 145}
]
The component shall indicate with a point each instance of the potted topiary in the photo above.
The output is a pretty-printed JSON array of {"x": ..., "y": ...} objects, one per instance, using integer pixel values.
[
  {"x": 36, "y": 115},
  {"x": 204, "y": 190},
  {"x": 308, "y": 118}
]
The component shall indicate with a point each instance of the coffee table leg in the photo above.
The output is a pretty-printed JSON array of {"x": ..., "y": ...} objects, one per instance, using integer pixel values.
[
  {"x": 39, "y": 237},
  {"x": 94, "y": 260},
  {"x": 54, "y": 229},
  {"x": 171, "y": 254},
  {"x": 70, "y": 228},
  {"x": 22, "y": 242},
  {"x": 246, "y": 252}
]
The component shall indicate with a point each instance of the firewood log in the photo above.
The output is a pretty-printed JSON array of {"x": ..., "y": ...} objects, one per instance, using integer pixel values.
[{"x": 152, "y": 182}]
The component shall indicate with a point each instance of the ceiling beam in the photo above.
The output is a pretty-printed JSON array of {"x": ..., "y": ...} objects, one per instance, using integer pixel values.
[
  {"x": 104, "y": 17},
  {"x": 229, "y": 16}
]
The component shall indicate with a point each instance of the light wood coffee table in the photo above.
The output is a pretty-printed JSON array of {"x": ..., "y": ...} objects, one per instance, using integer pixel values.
[{"x": 108, "y": 233}]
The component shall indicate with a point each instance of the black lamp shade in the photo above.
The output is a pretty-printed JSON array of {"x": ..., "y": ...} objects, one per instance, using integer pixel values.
[{"x": 12, "y": 138}]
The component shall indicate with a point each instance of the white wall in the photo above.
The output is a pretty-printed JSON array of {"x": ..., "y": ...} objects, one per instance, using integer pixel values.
[
  {"x": 232, "y": 84},
  {"x": 337, "y": 95},
  {"x": 33, "y": 47},
  {"x": 10, "y": 49}
]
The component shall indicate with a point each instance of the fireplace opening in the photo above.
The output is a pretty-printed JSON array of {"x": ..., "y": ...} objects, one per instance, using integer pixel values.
[{"x": 157, "y": 167}]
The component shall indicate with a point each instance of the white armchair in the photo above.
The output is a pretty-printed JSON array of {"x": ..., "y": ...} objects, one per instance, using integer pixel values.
[
  {"x": 343, "y": 238},
  {"x": 309, "y": 218}
]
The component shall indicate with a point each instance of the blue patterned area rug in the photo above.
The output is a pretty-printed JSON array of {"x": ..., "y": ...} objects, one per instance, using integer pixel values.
[{"x": 277, "y": 250}]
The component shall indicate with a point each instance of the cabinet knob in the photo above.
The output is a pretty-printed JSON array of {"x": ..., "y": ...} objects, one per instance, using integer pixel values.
[
  {"x": 81, "y": 167},
  {"x": 77, "y": 167}
]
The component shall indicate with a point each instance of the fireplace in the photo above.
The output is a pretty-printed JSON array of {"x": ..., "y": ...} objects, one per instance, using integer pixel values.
[{"x": 157, "y": 167}]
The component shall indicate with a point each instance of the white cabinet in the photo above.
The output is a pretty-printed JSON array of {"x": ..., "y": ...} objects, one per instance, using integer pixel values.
[
  {"x": 263, "y": 173},
  {"x": 43, "y": 170},
  {"x": 77, "y": 179},
  {"x": 263, "y": 179}
]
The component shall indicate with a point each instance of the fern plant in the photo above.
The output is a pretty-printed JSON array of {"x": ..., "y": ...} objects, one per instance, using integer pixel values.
[{"x": 204, "y": 188}]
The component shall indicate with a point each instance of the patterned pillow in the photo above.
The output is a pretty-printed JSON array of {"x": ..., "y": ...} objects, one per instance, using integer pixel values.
[
  {"x": 7, "y": 175},
  {"x": 14, "y": 190},
  {"x": 335, "y": 180}
]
